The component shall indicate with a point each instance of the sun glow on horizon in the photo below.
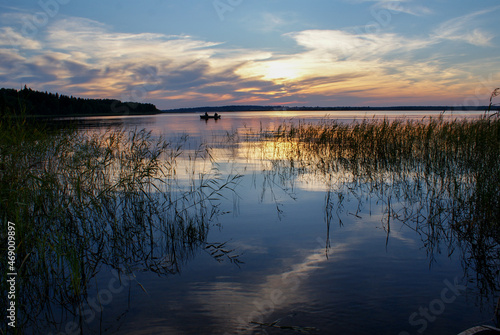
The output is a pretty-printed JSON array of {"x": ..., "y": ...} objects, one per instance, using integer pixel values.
[{"x": 277, "y": 71}]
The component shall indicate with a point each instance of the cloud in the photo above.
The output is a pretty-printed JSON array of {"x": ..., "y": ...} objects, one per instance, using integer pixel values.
[
  {"x": 94, "y": 41},
  {"x": 271, "y": 22},
  {"x": 342, "y": 45},
  {"x": 14, "y": 39},
  {"x": 10, "y": 59},
  {"x": 86, "y": 58},
  {"x": 398, "y": 6},
  {"x": 459, "y": 29},
  {"x": 335, "y": 62}
]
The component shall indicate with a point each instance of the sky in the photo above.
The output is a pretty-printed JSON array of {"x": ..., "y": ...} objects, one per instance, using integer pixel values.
[{"x": 192, "y": 53}]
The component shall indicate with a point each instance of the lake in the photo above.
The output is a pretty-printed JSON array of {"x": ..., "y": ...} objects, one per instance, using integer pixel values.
[{"x": 283, "y": 242}]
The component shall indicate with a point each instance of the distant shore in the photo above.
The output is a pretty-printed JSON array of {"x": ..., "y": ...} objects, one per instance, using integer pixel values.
[
  {"x": 35, "y": 104},
  {"x": 251, "y": 108}
]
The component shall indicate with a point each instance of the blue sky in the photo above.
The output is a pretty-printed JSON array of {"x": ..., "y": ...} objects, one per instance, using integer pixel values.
[{"x": 268, "y": 52}]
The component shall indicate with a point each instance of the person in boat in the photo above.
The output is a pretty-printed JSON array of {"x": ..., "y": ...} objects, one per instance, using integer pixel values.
[
  {"x": 216, "y": 115},
  {"x": 206, "y": 114}
]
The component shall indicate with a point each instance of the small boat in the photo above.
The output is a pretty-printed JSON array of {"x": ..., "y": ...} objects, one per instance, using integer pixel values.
[{"x": 206, "y": 116}]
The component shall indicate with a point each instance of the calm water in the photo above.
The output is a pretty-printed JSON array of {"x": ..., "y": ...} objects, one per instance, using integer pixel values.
[{"x": 310, "y": 249}]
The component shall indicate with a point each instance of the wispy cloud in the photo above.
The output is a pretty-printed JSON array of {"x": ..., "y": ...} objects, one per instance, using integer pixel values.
[
  {"x": 465, "y": 29},
  {"x": 407, "y": 7},
  {"x": 12, "y": 38},
  {"x": 342, "y": 45},
  {"x": 84, "y": 55},
  {"x": 271, "y": 21},
  {"x": 398, "y": 6}
]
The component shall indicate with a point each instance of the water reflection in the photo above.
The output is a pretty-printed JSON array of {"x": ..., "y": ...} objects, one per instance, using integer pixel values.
[{"x": 257, "y": 302}]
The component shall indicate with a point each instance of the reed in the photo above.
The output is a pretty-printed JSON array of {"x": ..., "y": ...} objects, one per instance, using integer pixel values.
[
  {"x": 84, "y": 201},
  {"x": 494, "y": 93},
  {"x": 440, "y": 178}
]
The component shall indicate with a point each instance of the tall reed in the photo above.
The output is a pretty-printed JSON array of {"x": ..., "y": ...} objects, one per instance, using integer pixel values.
[
  {"x": 85, "y": 201},
  {"x": 439, "y": 178}
]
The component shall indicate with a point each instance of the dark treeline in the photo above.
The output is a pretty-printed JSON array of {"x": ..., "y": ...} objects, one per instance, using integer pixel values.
[{"x": 35, "y": 103}]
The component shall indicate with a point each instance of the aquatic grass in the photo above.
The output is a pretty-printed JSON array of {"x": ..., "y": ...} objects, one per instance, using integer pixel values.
[
  {"x": 384, "y": 144},
  {"x": 438, "y": 177},
  {"x": 86, "y": 201},
  {"x": 494, "y": 93}
]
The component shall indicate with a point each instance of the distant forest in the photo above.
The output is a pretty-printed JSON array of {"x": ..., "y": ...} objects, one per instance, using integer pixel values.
[{"x": 34, "y": 103}]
